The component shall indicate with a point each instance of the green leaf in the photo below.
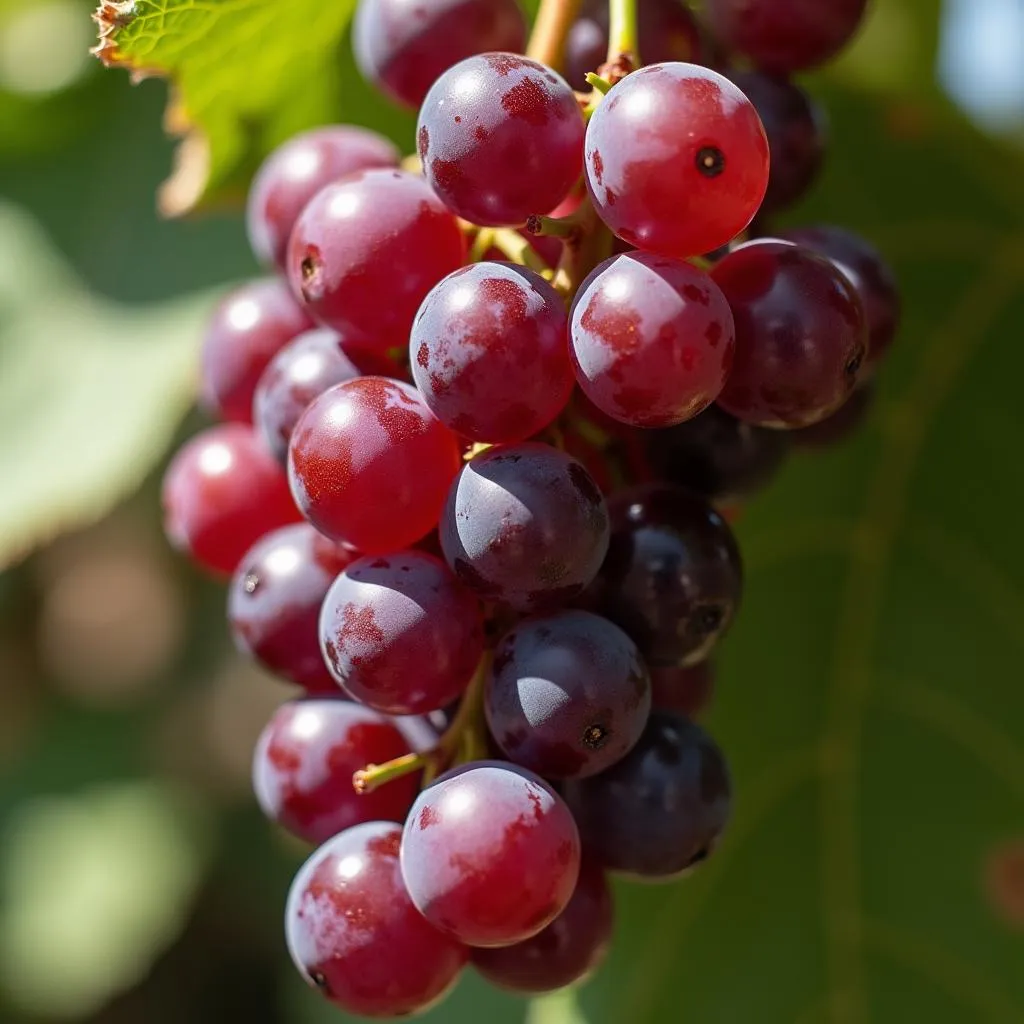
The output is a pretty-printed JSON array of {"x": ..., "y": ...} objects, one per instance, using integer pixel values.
[{"x": 90, "y": 392}]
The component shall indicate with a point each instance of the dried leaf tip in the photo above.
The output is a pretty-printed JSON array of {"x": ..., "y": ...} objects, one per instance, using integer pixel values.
[{"x": 111, "y": 16}]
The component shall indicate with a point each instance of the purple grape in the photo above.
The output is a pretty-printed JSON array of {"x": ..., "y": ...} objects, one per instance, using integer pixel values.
[
  {"x": 687, "y": 691},
  {"x": 568, "y": 694},
  {"x": 843, "y": 424},
  {"x": 525, "y": 525}
]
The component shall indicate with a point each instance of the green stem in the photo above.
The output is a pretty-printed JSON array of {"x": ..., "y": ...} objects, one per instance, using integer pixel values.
[
  {"x": 622, "y": 31},
  {"x": 547, "y": 40},
  {"x": 514, "y": 247},
  {"x": 602, "y": 85},
  {"x": 367, "y": 779}
]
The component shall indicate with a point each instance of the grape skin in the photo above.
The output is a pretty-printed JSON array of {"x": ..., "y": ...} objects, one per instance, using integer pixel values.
[
  {"x": 500, "y": 138},
  {"x": 353, "y": 932},
  {"x": 490, "y": 854},
  {"x": 400, "y": 633},
  {"x": 687, "y": 691}
]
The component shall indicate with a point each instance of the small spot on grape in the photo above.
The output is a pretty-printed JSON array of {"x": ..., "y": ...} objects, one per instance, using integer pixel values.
[
  {"x": 709, "y": 618},
  {"x": 710, "y": 161},
  {"x": 252, "y": 581},
  {"x": 854, "y": 363},
  {"x": 458, "y": 119},
  {"x": 423, "y": 141},
  {"x": 320, "y": 980},
  {"x": 428, "y": 816},
  {"x": 595, "y": 736}
]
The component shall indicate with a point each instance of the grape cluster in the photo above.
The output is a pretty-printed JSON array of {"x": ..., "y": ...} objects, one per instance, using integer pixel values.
[{"x": 482, "y": 438}]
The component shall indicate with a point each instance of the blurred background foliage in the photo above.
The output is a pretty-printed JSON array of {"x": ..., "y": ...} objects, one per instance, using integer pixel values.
[{"x": 870, "y": 698}]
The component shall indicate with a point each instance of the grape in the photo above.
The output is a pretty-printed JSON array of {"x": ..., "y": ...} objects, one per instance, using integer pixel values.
[
  {"x": 488, "y": 352},
  {"x": 404, "y": 46},
  {"x": 800, "y": 334},
  {"x": 671, "y": 191},
  {"x": 568, "y": 951},
  {"x": 872, "y": 278},
  {"x": 221, "y": 493},
  {"x": 525, "y": 525},
  {"x": 490, "y": 854},
  {"x": 785, "y": 35},
  {"x": 354, "y": 933},
  {"x": 796, "y": 130},
  {"x": 718, "y": 456},
  {"x": 370, "y": 465},
  {"x": 305, "y": 759},
  {"x": 400, "y": 633},
  {"x": 247, "y": 329},
  {"x": 660, "y": 810},
  {"x": 500, "y": 138},
  {"x": 274, "y": 602},
  {"x": 652, "y": 339},
  {"x": 841, "y": 425},
  {"x": 296, "y": 171},
  {"x": 366, "y": 250},
  {"x": 668, "y": 31},
  {"x": 568, "y": 694},
  {"x": 304, "y": 369},
  {"x": 673, "y": 576},
  {"x": 686, "y": 691}
]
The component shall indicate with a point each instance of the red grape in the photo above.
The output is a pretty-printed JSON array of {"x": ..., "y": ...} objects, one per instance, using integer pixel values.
[
  {"x": 305, "y": 759},
  {"x": 303, "y": 370},
  {"x": 686, "y": 691},
  {"x": 568, "y": 951},
  {"x": 488, "y": 352},
  {"x": 246, "y": 331},
  {"x": 501, "y": 138},
  {"x": 800, "y": 334},
  {"x": 400, "y": 633},
  {"x": 354, "y": 933},
  {"x": 403, "y": 46},
  {"x": 221, "y": 493},
  {"x": 672, "y": 191},
  {"x": 274, "y": 602},
  {"x": 490, "y": 854},
  {"x": 841, "y": 425},
  {"x": 652, "y": 339},
  {"x": 370, "y": 465},
  {"x": 785, "y": 35},
  {"x": 366, "y": 250},
  {"x": 297, "y": 170}
]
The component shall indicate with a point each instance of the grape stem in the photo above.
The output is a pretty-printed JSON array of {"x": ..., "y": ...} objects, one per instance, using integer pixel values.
[
  {"x": 622, "y": 34},
  {"x": 601, "y": 85},
  {"x": 511, "y": 244},
  {"x": 547, "y": 40}
]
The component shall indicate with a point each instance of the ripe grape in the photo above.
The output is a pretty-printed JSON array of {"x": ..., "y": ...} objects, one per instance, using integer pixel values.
[
  {"x": 490, "y": 854},
  {"x": 652, "y": 339},
  {"x": 686, "y": 691},
  {"x": 869, "y": 274},
  {"x": 500, "y": 138},
  {"x": 221, "y": 493},
  {"x": 673, "y": 576},
  {"x": 400, "y": 633},
  {"x": 274, "y": 602},
  {"x": 785, "y": 35},
  {"x": 305, "y": 759},
  {"x": 369, "y": 464},
  {"x": 568, "y": 694},
  {"x": 296, "y": 171},
  {"x": 661, "y": 809},
  {"x": 246, "y": 331},
  {"x": 488, "y": 352},
  {"x": 667, "y": 31},
  {"x": 718, "y": 456},
  {"x": 304, "y": 369},
  {"x": 796, "y": 130},
  {"x": 366, "y": 250},
  {"x": 354, "y": 933},
  {"x": 671, "y": 191},
  {"x": 404, "y": 46},
  {"x": 568, "y": 951},
  {"x": 800, "y": 334},
  {"x": 841, "y": 425},
  {"x": 525, "y": 525}
]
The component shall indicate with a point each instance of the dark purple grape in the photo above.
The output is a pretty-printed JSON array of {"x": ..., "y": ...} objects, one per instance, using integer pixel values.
[
  {"x": 801, "y": 339},
  {"x": 661, "y": 809},
  {"x": 796, "y": 128},
  {"x": 717, "y": 455},
  {"x": 673, "y": 576},
  {"x": 525, "y": 525},
  {"x": 568, "y": 694},
  {"x": 667, "y": 30},
  {"x": 500, "y": 138},
  {"x": 841, "y": 425},
  {"x": 303, "y": 370},
  {"x": 274, "y": 602},
  {"x": 404, "y": 46},
  {"x": 871, "y": 276},
  {"x": 568, "y": 951},
  {"x": 785, "y": 35},
  {"x": 297, "y": 170},
  {"x": 687, "y": 691}
]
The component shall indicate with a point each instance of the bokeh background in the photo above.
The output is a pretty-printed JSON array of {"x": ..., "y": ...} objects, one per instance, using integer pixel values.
[{"x": 871, "y": 699}]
